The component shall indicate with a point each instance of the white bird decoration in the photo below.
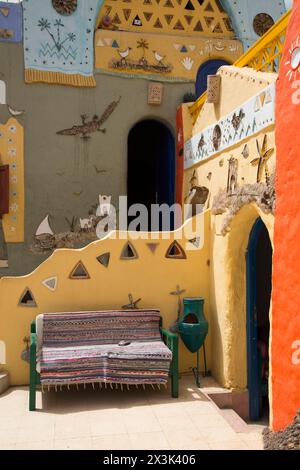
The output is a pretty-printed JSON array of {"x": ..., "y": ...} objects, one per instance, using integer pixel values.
[
  {"x": 15, "y": 112},
  {"x": 158, "y": 57},
  {"x": 124, "y": 54}
]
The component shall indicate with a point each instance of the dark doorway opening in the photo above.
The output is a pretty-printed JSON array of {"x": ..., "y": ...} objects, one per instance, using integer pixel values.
[
  {"x": 259, "y": 289},
  {"x": 208, "y": 68},
  {"x": 151, "y": 166}
]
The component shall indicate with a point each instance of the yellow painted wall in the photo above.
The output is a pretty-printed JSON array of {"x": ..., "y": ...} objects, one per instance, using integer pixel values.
[
  {"x": 227, "y": 253},
  {"x": 237, "y": 86},
  {"x": 169, "y": 16},
  {"x": 182, "y": 56},
  {"x": 151, "y": 276}
]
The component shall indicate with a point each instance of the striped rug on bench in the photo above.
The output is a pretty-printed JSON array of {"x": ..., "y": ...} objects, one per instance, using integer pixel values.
[{"x": 83, "y": 347}]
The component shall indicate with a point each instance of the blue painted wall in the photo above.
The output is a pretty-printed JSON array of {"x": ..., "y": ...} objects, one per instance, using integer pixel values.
[{"x": 243, "y": 12}]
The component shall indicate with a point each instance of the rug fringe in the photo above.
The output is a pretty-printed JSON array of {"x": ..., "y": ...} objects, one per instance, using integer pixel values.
[
  {"x": 111, "y": 385},
  {"x": 59, "y": 78}
]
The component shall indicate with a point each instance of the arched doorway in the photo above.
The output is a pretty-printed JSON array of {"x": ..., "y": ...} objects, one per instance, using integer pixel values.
[
  {"x": 208, "y": 68},
  {"x": 151, "y": 165},
  {"x": 259, "y": 288}
]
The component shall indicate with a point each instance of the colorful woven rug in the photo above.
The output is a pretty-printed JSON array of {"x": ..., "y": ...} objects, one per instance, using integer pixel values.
[
  {"x": 58, "y": 48},
  {"x": 84, "y": 347},
  {"x": 11, "y": 23}
]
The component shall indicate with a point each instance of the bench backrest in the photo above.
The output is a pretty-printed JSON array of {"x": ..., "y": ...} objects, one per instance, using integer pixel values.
[{"x": 103, "y": 327}]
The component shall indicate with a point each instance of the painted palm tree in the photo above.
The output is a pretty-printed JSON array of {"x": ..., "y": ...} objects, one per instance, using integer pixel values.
[
  {"x": 45, "y": 25},
  {"x": 143, "y": 44},
  {"x": 262, "y": 161}
]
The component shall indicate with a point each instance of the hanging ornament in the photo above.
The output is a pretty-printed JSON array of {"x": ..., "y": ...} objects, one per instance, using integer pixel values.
[{"x": 65, "y": 7}]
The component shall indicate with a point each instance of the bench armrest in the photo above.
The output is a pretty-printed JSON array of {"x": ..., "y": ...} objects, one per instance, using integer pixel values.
[{"x": 171, "y": 340}]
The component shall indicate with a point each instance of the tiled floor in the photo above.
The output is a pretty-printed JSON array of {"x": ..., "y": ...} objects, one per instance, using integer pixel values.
[{"x": 106, "y": 419}]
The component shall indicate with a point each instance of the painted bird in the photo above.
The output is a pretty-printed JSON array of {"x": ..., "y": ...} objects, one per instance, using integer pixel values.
[
  {"x": 158, "y": 57},
  {"x": 124, "y": 54}
]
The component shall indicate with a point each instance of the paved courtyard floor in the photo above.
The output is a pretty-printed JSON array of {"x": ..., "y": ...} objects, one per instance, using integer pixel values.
[{"x": 112, "y": 419}]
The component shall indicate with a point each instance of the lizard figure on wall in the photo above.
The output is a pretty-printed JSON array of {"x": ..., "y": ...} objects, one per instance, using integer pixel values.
[{"x": 94, "y": 125}]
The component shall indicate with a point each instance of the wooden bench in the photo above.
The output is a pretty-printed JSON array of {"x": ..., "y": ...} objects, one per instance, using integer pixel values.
[{"x": 124, "y": 347}]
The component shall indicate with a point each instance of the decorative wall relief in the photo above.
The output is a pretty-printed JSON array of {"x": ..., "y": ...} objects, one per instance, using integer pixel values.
[
  {"x": 2, "y": 92},
  {"x": 65, "y": 7},
  {"x": 232, "y": 176},
  {"x": 213, "y": 88},
  {"x": 197, "y": 196},
  {"x": 132, "y": 305},
  {"x": 129, "y": 252},
  {"x": 104, "y": 206},
  {"x": 79, "y": 272},
  {"x": 178, "y": 293},
  {"x": 175, "y": 251},
  {"x": 233, "y": 128},
  {"x": 155, "y": 93},
  {"x": 262, "y": 194},
  {"x": 81, "y": 230},
  {"x": 185, "y": 17},
  {"x": 153, "y": 55},
  {"x": 51, "y": 283},
  {"x": 262, "y": 161},
  {"x": 154, "y": 64},
  {"x": 94, "y": 125},
  {"x": 58, "y": 41},
  {"x": 12, "y": 155},
  {"x": 152, "y": 247},
  {"x": 27, "y": 299},
  {"x": 11, "y": 19},
  {"x": 104, "y": 259}
]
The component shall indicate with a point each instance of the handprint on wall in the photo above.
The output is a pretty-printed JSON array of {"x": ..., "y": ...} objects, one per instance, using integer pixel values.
[{"x": 188, "y": 63}]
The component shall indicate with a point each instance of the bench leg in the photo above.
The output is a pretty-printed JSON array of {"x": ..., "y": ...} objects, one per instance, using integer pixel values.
[
  {"x": 175, "y": 384},
  {"x": 32, "y": 395},
  {"x": 174, "y": 369},
  {"x": 32, "y": 374}
]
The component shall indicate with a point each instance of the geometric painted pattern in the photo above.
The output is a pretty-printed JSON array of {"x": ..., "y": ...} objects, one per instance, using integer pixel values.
[
  {"x": 199, "y": 17},
  {"x": 50, "y": 283}
]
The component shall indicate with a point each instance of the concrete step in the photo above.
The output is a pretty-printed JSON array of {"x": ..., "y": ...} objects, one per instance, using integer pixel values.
[{"x": 4, "y": 381}]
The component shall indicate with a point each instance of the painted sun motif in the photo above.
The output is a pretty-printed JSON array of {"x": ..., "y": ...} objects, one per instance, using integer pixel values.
[{"x": 294, "y": 62}]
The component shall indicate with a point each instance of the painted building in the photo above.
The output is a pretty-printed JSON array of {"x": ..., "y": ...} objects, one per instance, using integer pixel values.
[{"x": 103, "y": 110}]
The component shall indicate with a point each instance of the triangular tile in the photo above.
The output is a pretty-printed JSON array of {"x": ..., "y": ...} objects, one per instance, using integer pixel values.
[
  {"x": 189, "y": 6},
  {"x": 79, "y": 272},
  {"x": 198, "y": 27},
  {"x": 115, "y": 44},
  {"x": 157, "y": 24},
  {"x": 137, "y": 21},
  {"x": 27, "y": 299},
  {"x": 188, "y": 18},
  {"x": 4, "y": 11},
  {"x": 152, "y": 247},
  {"x": 175, "y": 251},
  {"x": 195, "y": 241},
  {"x": 104, "y": 259},
  {"x": 148, "y": 15},
  {"x": 179, "y": 26},
  {"x": 169, "y": 18},
  {"x": 126, "y": 12},
  {"x": 50, "y": 283},
  {"x": 129, "y": 252}
]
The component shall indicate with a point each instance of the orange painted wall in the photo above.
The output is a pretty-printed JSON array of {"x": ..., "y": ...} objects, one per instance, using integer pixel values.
[{"x": 286, "y": 273}]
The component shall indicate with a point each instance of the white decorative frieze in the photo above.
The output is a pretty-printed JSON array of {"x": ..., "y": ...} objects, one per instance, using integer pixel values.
[{"x": 248, "y": 119}]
